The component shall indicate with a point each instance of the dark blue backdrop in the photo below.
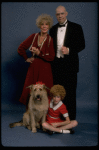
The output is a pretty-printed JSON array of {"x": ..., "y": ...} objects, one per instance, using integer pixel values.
[{"x": 18, "y": 22}]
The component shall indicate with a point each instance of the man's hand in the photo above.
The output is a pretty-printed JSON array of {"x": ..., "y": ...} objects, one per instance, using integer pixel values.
[{"x": 65, "y": 50}]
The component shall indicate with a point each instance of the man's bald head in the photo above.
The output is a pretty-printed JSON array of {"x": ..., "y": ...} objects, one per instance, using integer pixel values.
[
  {"x": 60, "y": 8},
  {"x": 61, "y": 14}
]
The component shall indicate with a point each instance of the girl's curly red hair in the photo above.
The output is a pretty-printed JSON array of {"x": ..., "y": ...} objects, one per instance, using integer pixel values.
[{"x": 58, "y": 90}]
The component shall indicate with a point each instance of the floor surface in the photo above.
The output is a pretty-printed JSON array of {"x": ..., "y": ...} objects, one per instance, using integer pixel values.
[{"x": 86, "y": 133}]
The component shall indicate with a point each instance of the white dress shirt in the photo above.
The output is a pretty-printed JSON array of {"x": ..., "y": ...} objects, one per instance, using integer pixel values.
[{"x": 60, "y": 39}]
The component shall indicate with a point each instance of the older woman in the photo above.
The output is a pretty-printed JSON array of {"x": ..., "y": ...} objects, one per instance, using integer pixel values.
[{"x": 41, "y": 47}]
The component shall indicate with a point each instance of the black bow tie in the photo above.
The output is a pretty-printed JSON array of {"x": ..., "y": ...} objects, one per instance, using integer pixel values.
[{"x": 63, "y": 25}]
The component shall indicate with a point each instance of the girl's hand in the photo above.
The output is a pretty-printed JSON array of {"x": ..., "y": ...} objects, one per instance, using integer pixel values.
[
  {"x": 30, "y": 60},
  {"x": 54, "y": 124}
]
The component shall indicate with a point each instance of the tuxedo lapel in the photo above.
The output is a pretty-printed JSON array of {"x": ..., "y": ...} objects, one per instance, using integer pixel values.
[
  {"x": 66, "y": 39},
  {"x": 56, "y": 37}
]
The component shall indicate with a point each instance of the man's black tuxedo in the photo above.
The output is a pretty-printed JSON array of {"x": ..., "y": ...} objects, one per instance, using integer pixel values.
[
  {"x": 65, "y": 69},
  {"x": 74, "y": 40}
]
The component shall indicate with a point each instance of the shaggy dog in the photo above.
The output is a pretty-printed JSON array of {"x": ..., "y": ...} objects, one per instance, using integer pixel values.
[{"x": 37, "y": 108}]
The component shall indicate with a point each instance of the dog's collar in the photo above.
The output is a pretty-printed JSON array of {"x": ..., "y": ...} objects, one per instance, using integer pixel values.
[{"x": 57, "y": 106}]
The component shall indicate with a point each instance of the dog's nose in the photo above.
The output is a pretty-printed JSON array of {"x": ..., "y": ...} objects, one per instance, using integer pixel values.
[{"x": 38, "y": 96}]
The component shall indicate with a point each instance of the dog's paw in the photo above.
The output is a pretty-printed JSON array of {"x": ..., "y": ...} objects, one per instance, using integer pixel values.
[
  {"x": 34, "y": 130},
  {"x": 11, "y": 125},
  {"x": 29, "y": 127},
  {"x": 38, "y": 125}
]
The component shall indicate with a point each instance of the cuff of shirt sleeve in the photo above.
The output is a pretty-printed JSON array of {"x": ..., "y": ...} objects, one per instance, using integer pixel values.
[
  {"x": 65, "y": 115},
  {"x": 68, "y": 50}
]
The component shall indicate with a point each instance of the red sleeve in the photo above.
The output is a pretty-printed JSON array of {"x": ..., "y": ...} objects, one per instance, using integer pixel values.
[
  {"x": 51, "y": 55},
  {"x": 63, "y": 110},
  {"x": 24, "y": 46}
]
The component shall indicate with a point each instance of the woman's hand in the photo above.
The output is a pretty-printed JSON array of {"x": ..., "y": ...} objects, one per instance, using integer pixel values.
[
  {"x": 30, "y": 60},
  {"x": 35, "y": 50}
]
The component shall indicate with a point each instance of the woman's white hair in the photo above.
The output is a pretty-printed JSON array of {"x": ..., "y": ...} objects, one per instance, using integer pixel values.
[{"x": 42, "y": 18}]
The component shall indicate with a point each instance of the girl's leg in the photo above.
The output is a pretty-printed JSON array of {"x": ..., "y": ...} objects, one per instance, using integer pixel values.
[
  {"x": 62, "y": 129},
  {"x": 50, "y": 127},
  {"x": 73, "y": 124}
]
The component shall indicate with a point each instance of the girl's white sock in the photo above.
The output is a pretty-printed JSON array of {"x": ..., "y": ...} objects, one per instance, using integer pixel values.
[{"x": 65, "y": 131}]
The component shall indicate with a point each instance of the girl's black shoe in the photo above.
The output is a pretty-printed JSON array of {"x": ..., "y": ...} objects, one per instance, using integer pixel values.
[
  {"x": 71, "y": 131},
  {"x": 50, "y": 132}
]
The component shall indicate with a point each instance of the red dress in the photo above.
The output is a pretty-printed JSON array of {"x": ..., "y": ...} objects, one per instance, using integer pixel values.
[
  {"x": 55, "y": 112},
  {"x": 40, "y": 69}
]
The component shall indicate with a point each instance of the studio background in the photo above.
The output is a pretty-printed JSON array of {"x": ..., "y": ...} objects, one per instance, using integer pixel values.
[{"x": 18, "y": 21}]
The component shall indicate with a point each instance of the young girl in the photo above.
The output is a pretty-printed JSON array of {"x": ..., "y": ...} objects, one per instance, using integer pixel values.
[{"x": 56, "y": 108}]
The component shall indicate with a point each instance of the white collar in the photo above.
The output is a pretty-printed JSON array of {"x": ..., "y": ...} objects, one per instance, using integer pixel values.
[{"x": 57, "y": 106}]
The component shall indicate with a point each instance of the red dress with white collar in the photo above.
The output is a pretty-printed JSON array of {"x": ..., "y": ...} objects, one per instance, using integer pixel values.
[{"x": 55, "y": 112}]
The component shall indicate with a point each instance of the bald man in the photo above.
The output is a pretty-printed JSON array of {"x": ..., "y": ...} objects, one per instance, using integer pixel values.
[{"x": 68, "y": 39}]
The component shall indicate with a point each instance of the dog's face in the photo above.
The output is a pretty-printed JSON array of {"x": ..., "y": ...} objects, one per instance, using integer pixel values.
[{"x": 38, "y": 91}]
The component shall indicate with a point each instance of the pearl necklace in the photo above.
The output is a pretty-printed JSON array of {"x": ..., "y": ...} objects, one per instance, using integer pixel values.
[{"x": 40, "y": 45}]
